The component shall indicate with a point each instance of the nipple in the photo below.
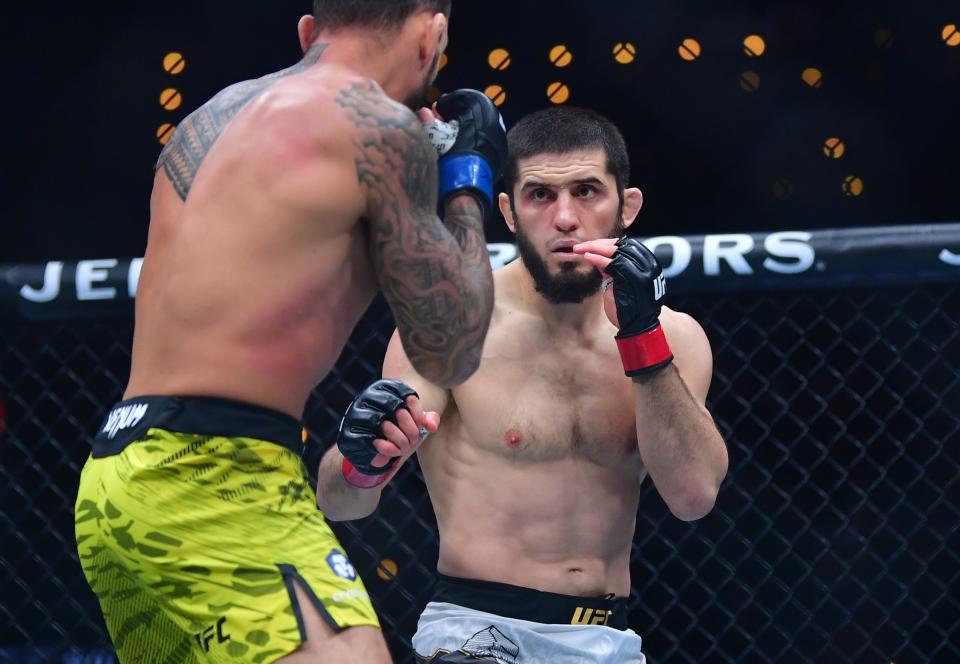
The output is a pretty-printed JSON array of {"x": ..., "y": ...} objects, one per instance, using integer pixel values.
[{"x": 512, "y": 438}]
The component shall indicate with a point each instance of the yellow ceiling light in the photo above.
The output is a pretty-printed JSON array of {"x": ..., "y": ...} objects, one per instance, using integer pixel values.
[
  {"x": 689, "y": 49},
  {"x": 171, "y": 99},
  {"x": 499, "y": 59},
  {"x": 754, "y": 46},
  {"x": 560, "y": 56},
  {"x": 174, "y": 63},
  {"x": 558, "y": 92},
  {"x": 812, "y": 77},
  {"x": 387, "y": 569},
  {"x": 750, "y": 81},
  {"x": 951, "y": 35},
  {"x": 164, "y": 132},
  {"x": 624, "y": 52},
  {"x": 852, "y": 185},
  {"x": 496, "y": 93},
  {"x": 834, "y": 148}
]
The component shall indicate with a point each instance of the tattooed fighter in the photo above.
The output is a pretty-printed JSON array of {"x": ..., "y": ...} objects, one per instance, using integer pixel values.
[{"x": 279, "y": 209}]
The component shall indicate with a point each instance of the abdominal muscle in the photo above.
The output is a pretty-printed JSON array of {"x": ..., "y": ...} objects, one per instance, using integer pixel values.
[{"x": 563, "y": 526}]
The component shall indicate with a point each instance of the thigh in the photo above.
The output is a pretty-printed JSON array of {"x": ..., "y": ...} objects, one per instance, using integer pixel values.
[{"x": 326, "y": 644}]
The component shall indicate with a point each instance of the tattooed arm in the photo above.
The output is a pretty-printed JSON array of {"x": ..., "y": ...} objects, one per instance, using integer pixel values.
[{"x": 435, "y": 275}]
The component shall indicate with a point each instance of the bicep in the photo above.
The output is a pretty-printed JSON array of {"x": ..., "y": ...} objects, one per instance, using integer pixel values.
[
  {"x": 692, "y": 354},
  {"x": 396, "y": 365},
  {"x": 412, "y": 252}
]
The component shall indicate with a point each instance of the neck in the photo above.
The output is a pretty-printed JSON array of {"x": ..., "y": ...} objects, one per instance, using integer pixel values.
[
  {"x": 313, "y": 53},
  {"x": 579, "y": 316},
  {"x": 370, "y": 55}
]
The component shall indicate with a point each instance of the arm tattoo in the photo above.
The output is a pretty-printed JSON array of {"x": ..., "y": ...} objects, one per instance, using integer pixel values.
[
  {"x": 184, "y": 152},
  {"x": 436, "y": 278}
]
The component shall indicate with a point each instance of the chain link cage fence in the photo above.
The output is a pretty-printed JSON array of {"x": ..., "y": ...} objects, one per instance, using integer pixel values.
[{"x": 835, "y": 538}]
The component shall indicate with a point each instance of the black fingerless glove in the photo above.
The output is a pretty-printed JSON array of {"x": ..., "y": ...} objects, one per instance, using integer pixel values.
[
  {"x": 361, "y": 425},
  {"x": 638, "y": 287},
  {"x": 479, "y": 154}
]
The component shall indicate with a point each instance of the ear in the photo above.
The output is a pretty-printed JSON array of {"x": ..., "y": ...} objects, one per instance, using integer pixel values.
[
  {"x": 507, "y": 211},
  {"x": 632, "y": 202},
  {"x": 305, "y": 29},
  {"x": 433, "y": 37}
]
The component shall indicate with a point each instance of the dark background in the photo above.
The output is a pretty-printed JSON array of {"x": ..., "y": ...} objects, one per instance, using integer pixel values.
[
  {"x": 83, "y": 102},
  {"x": 836, "y": 535}
]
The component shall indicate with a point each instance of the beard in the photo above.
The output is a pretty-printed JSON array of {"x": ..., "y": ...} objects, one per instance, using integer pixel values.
[
  {"x": 570, "y": 285},
  {"x": 418, "y": 98}
]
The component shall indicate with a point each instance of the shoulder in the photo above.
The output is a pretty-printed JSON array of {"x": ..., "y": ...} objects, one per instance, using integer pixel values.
[
  {"x": 683, "y": 328},
  {"x": 367, "y": 107},
  {"x": 389, "y": 146},
  {"x": 508, "y": 305}
]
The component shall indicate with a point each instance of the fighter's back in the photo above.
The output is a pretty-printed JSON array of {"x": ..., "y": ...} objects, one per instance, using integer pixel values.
[{"x": 256, "y": 268}]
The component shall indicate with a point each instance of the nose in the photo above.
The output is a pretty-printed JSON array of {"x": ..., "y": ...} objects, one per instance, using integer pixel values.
[{"x": 566, "y": 219}]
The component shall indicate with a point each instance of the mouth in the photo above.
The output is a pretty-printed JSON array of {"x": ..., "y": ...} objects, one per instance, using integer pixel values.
[
  {"x": 566, "y": 255},
  {"x": 565, "y": 248}
]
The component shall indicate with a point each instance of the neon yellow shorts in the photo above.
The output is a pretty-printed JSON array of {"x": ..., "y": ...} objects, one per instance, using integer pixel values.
[{"x": 192, "y": 542}]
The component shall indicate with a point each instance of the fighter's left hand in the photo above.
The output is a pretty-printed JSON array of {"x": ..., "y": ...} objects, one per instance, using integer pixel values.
[{"x": 632, "y": 303}]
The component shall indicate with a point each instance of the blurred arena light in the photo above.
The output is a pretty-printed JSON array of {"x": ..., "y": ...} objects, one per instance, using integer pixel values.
[
  {"x": 499, "y": 59},
  {"x": 689, "y": 49},
  {"x": 496, "y": 93},
  {"x": 754, "y": 46},
  {"x": 560, "y": 56},
  {"x": 951, "y": 35},
  {"x": 174, "y": 63},
  {"x": 164, "y": 132},
  {"x": 812, "y": 77},
  {"x": 624, "y": 52},
  {"x": 558, "y": 92}
]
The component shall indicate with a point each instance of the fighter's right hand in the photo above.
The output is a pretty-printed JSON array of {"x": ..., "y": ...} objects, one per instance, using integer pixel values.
[
  {"x": 479, "y": 154},
  {"x": 382, "y": 424}
]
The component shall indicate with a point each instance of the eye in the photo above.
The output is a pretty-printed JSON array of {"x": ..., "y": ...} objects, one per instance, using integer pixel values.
[
  {"x": 540, "y": 195},
  {"x": 584, "y": 191}
]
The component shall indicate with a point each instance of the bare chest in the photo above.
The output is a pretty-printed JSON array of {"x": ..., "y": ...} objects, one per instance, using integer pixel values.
[{"x": 547, "y": 403}]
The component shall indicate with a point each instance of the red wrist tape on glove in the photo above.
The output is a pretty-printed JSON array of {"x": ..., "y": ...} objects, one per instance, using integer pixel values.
[
  {"x": 355, "y": 478},
  {"x": 644, "y": 353}
]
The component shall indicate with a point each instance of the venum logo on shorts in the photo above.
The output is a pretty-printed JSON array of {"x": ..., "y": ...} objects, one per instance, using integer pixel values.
[
  {"x": 491, "y": 642},
  {"x": 340, "y": 565},
  {"x": 124, "y": 417},
  {"x": 209, "y": 633}
]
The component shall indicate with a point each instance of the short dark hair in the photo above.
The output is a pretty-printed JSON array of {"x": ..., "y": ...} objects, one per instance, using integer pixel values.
[
  {"x": 563, "y": 129},
  {"x": 334, "y": 14}
]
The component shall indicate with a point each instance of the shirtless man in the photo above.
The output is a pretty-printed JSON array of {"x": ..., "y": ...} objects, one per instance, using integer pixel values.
[
  {"x": 279, "y": 209},
  {"x": 536, "y": 468}
]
